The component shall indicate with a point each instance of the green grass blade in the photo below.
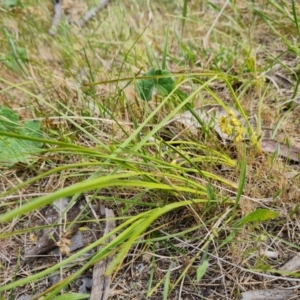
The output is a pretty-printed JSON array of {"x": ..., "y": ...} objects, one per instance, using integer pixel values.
[
  {"x": 165, "y": 50},
  {"x": 184, "y": 15}
]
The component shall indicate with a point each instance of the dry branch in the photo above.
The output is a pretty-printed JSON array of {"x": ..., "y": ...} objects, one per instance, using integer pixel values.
[
  {"x": 58, "y": 10},
  {"x": 92, "y": 12},
  {"x": 101, "y": 282},
  {"x": 273, "y": 294},
  {"x": 57, "y": 16}
]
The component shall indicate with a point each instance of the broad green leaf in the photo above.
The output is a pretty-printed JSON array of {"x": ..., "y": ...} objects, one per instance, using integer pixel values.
[
  {"x": 13, "y": 150},
  {"x": 10, "y": 3},
  {"x": 258, "y": 215},
  {"x": 8, "y": 119},
  {"x": 164, "y": 86},
  {"x": 145, "y": 87},
  {"x": 201, "y": 270}
]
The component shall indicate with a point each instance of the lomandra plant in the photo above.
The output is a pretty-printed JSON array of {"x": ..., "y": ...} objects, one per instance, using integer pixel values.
[{"x": 130, "y": 165}]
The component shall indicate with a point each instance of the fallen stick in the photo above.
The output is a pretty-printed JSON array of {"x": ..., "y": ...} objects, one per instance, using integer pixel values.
[
  {"x": 101, "y": 282},
  {"x": 58, "y": 11},
  {"x": 57, "y": 16},
  {"x": 92, "y": 12}
]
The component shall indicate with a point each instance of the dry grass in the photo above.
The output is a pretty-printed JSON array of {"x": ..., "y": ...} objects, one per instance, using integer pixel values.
[{"x": 252, "y": 44}]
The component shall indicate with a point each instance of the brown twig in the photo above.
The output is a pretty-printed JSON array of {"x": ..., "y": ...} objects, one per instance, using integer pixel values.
[
  {"x": 92, "y": 12},
  {"x": 57, "y": 16},
  {"x": 58, "y": 11},
  {"x": 101, "y": 282}
]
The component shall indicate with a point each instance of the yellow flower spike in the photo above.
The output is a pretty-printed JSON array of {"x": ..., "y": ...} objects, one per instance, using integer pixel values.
[
  {"x": 224, "y": 126},
  {"x": 239, "y": 135},
  {"x": 230, "y": 113},
  {"x": 237, "y": 138},
  {"x": 231, "y": 126},
  {"x": 235, "y": 122}
]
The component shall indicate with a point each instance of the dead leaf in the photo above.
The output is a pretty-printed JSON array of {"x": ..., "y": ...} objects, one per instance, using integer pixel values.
[
  {"x": 292, "y": 265},
  {"x": 289, "y": 152}
]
